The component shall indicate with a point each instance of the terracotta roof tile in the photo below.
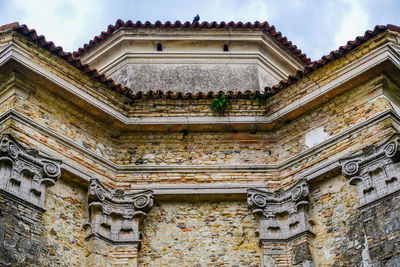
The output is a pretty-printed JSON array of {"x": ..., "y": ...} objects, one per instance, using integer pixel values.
[
  {"x": 269, "y": 91},
  {"x": 204, "y": 25},
  {"x": 9, "y": 26},
  {"x": 329, "y": 58},
  {"x": 57, "y": 50}
]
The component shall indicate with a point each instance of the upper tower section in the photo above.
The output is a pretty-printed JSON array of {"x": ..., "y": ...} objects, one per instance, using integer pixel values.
[{"x": 193, "y": 57}]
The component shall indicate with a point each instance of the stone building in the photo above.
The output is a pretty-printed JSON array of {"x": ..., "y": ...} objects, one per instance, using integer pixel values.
[{"x": 199, "y": 145}]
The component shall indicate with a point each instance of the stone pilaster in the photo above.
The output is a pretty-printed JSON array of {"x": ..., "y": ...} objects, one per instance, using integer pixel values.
[
  {"x": 24, "y": 176},
  {"x": 114, "y": 218},
  {"x": 375, "y": 170},
  {"x": 284, "y": 224}
]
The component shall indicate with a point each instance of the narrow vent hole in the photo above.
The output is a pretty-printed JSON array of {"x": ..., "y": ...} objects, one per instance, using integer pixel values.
[
  {"x": 226, "y": 48},
  {"x": 159, "y": 47}
]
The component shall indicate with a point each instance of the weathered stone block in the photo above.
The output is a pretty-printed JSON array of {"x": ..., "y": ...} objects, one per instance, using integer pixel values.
[{"x": 301, "y": 254}]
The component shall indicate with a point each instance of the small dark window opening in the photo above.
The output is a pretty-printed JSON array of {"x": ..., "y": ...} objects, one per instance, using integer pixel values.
[
  {"x": 159, "y": 47},
  {"x": 226, "y": 48}
]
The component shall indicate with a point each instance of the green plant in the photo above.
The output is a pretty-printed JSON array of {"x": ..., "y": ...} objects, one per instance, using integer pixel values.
[
  {"x": 220, "y": 104},
  {"x": 260, "y": 100}
]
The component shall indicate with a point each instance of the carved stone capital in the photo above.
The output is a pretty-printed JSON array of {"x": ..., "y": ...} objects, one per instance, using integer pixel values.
[
  {"x": 114, "y": 215},
  {"x": 282, "y": 214},
  {"x": 375, "y": 170},
  {"x": 25, "y": 173}
]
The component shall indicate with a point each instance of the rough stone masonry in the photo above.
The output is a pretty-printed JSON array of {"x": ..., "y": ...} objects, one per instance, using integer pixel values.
[{"x": 300, "y": 170}]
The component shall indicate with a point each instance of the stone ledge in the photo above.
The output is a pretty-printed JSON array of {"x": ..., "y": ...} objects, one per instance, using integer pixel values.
[
  {"x": 382, "y": 55},
  {"x": 199, "y": 189},
  {"x": 314, "y": 172},
  {"x": 20, "y": 201}
]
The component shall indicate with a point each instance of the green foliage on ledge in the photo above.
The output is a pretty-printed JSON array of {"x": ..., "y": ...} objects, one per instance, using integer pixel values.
[
  {"x": 260, "y": 100},
  {"x": 220, "y": 104}
]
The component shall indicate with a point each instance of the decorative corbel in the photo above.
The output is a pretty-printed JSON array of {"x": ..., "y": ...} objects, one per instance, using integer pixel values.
[
  {"x": 374, "y": 170},
  {"x": 25, "y": 173},
  {"x": 114, "y": 215}
]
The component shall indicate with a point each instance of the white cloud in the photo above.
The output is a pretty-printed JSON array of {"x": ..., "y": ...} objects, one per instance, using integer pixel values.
[
  {"x": 354, "y": 22},
  {"x": 233, "y": 10},
  {"x": 60, "y": 21},
  {"x": 317, "y": 27},
  {"x": 253, "y": 10}
]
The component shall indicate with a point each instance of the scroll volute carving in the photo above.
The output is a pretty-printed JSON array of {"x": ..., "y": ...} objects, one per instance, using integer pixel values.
[
  {"x": 24, "y": 172},
  {"x": 114, "y": 215},
  {"x": 282, "y": 214},
  {"x": 374, "y": 170}
]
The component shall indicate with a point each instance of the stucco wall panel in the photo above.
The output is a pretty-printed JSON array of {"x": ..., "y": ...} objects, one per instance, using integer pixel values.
[{"x": 192, "y": 78}]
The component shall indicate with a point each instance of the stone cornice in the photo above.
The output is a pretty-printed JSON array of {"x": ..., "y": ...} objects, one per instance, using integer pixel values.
[
  {"x": 311, "y": 173},
  {"x": 228, "y": 189},
  {"x": 385, "y": 53},
  {"x": 14, "y": 52},
  {"x": 259, "y": 38}
]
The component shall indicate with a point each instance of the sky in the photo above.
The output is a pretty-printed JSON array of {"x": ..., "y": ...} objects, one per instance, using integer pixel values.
[{"x": 315, "y": 26}]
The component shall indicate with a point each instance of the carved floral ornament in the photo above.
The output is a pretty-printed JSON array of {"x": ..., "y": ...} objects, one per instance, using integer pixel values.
[
  {"x": 283, "y": 213},
  {"x": 114, "y": 215},
  {"x": 374, "y": 170},
  {"x": 24, "y": 172}
]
